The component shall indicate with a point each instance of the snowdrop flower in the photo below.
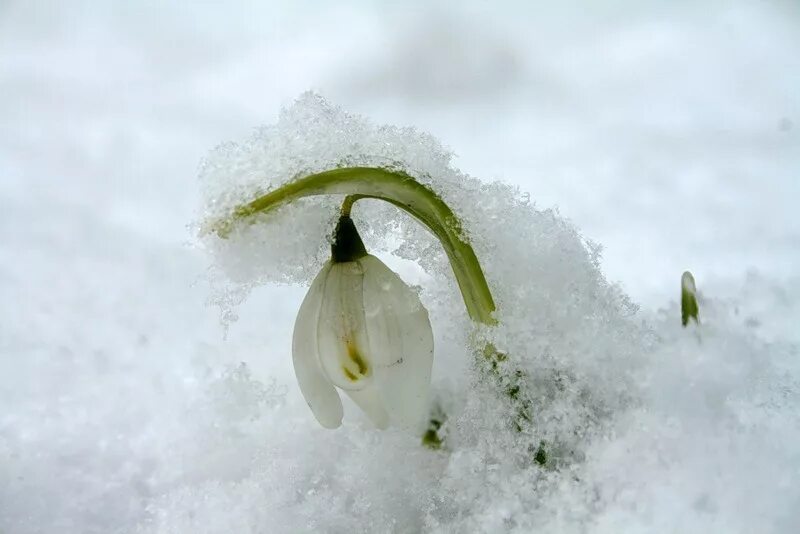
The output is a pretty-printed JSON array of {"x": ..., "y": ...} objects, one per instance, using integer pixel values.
[{"x": 361, "y": 329}]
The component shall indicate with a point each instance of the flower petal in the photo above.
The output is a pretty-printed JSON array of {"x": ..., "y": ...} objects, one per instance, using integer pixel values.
[
  {"x": 342, "y": 335},
  {"x": 370, "y": 402},
  {"x": 400, "y": 342},
  {"x": 321, "y": 396}
]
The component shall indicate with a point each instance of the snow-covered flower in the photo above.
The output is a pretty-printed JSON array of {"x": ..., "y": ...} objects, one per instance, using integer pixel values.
[{"x": 361, "y": 329}]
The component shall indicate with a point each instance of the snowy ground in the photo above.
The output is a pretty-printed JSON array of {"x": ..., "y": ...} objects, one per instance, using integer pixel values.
[{"x": 670, "y": 134}]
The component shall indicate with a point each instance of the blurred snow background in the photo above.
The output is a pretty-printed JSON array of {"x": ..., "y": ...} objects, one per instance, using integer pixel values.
[{"x": 669, "y": 133}]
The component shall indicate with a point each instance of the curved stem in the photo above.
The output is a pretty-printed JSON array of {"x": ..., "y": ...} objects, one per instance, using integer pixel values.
[
  {"x": 406, "y": 193},
  {"x": 347, "y": 205}
]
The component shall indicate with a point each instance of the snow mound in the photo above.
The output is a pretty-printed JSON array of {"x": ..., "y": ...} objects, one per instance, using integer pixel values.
[{"x": 654, "y": 427}]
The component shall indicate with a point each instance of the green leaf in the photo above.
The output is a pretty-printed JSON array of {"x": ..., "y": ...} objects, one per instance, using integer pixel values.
[{"x": 689, "y": 308}]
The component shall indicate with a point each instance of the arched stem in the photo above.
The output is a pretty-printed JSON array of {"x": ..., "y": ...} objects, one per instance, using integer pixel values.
[
  {"x": 406, "y": 193},
  {"x": 347, "y": 205}
]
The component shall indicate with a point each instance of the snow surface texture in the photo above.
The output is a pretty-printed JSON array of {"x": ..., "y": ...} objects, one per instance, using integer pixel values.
[
  {"x": 632, "y": 396},
  {"x": 668, "y": 134}
]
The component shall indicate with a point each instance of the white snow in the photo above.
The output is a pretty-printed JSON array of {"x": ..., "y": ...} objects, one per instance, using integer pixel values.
[{"x": 670, "y": 134}]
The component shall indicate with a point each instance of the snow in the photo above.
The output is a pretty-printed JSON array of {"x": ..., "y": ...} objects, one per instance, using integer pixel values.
[{"x": 667, "y": 134}]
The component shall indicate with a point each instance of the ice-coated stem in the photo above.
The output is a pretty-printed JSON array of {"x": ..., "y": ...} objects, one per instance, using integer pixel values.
[{"x": 406, "y": 193}]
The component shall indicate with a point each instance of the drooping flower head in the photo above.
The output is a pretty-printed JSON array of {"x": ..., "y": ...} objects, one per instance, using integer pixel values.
[{"x": 361, "y": 329}]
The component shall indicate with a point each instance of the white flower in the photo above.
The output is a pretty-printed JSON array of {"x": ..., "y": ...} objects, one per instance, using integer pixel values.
[{"x": 363, "y": 330}]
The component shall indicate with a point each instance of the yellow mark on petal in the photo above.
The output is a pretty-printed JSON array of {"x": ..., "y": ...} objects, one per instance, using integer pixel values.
[
  {"x": 362, "y": 369},
  {"x": 349, "y": 375}
]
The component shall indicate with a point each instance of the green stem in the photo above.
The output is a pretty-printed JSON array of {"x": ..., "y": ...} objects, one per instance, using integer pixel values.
[
  {"x": 347, "y": 205},
  {"x": 406, "y": 193}
]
